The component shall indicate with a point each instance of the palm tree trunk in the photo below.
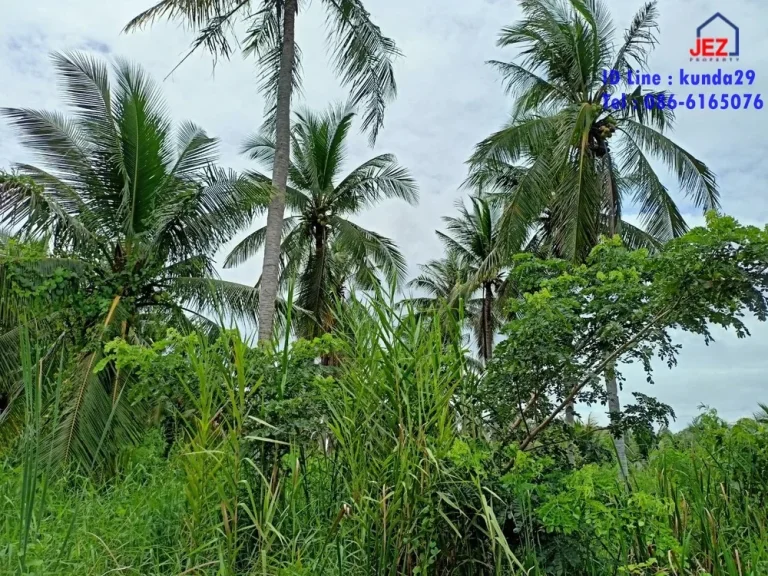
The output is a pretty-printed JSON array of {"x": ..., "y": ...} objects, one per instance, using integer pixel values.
[
  {"x": 611, "y": 385},
  {"x": 271, "y": 267},
  {"x": 323, "y": 325},
  {"x": 613, "y": 224},
  {"x": 614, "y": 407},
  {"x": 488, "y": 322}
]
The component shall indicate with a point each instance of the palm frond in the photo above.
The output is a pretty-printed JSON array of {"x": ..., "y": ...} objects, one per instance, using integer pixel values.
[
  {"x": 249, "y": 246},
  {"x": 376, "y": 179},
  {"x": 213, "y": 20},
  {"x": 202, "y": 217},
  {"x": 145, "y": 151},
  {"x": 363, "y": 57},
  {"x": 659, "y": 214},
  {"x": 218, "y": 298},
  {"x": 695, "y": 178},
  {"x": 440, "y": 278},
  {"x": 535, "y": 92},
  {"x": 260, "y": 147},
  {"x": 85, "y": 82},
  {"x": 762, "y": 416},
  {"x": 524, "y": 137},
  {"x": 660, "y": 118},
  {"x": 363, "y": 245},
  {"x": 195, "y": 151},
  {"x": 635, "y": 238},
  {"x": 93, "y": 414},
  {"x": 639, "y": 39},
  {"x": 57, "y": 140},
  {"x": 45, "y": 204}
]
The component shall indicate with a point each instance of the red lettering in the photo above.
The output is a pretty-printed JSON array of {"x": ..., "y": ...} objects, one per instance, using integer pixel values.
[
  {"x": 696, "y": 50},
  {"x": 708, "y": 47},
  {"x": 721, "y": 44}
]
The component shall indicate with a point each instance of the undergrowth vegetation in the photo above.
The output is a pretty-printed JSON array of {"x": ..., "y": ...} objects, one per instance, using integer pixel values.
[{"x": 267, "y": 461}]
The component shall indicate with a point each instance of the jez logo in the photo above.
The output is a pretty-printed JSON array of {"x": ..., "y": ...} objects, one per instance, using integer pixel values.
[{"x": 709, "y": 46}]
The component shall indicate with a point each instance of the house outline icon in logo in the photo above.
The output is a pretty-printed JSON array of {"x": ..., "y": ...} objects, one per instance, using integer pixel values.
[{"x": 715, "y": 16}]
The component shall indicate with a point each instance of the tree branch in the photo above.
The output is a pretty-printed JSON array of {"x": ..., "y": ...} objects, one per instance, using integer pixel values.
[{"x": 595, "y": 372}]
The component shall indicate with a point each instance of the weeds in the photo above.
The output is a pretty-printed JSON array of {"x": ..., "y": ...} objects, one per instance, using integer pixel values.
[{"x": 285, "y": 465}]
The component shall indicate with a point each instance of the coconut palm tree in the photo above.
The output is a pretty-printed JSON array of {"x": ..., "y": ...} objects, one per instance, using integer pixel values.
[
  {"x": 439, "y": 283},
  {"x": 470, "y": 240},
  {"x": 328, "y": 252},
  {"x": 443, "y": 285},
  {"x": 439, "y": 280},
  {"x": 136, "y": 212},
  {"x": 585, "y": 160},
  {"x": 361, "y": 54},
  {"x": 584, "y": 163}
]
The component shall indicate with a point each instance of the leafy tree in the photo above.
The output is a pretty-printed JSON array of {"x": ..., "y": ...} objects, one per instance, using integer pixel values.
[
  {"x": 329, "y": 253},
  {"x": 620, "y": 306},
  {"x": 136, "y": 212},
  {"x": 363, "y": 59}
]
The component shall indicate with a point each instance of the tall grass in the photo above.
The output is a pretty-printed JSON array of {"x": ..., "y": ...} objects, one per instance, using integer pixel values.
[
  {"x": 375, "y": 464},
  {"x": 394, "y": 425},
  {"x": 717, "y": 482}
]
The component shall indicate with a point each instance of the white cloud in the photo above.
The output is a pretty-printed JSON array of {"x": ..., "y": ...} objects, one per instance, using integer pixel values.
[{"x": 448, "y": 100}]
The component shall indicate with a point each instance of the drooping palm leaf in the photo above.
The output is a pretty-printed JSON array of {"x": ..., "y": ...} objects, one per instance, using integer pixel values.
[{"x": 361, "y": 54}]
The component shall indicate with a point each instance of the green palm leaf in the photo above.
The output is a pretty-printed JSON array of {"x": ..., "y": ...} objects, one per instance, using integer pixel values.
[
  {"x": 696, "y": 180},
  {"x": 249, "y": 246},
  {"x": 365, "y": 245},
  {"x": 560, "y": 138},
  {"x": 363, "y": 58},
  {"x": 218, "y": 298},
  {"x": 146, "y": 208}
]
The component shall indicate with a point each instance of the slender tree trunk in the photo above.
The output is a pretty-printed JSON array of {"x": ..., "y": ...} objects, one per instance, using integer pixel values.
[
  {"x": 611, "y": 384},
  {"x": 270, "y": 269},
  {"x": 613, "y": 219},
  {"x": 570, "y": 419},
  {"x": 320, "y": 259},
  {"x": 614, "y": 407},
  {"x": 488, "y": 321},
  {"x": 570, "y": 414},
  {"x": 321, "y": 315},
  {"x": 599, "y": 369}
]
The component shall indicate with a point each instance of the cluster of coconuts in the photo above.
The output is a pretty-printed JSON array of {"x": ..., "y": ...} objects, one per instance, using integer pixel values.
[
  {"x": 606, "y": 127},
  {"x": 600, "y": 132}
]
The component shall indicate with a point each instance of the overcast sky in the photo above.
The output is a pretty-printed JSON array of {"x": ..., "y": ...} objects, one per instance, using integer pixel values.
[{"x": 448, "y": 100}]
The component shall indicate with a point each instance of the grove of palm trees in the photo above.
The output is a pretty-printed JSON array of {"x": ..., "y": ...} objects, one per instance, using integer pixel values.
[{"x": 336, "y": 414}]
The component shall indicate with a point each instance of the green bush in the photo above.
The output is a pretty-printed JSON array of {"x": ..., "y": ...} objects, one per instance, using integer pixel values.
[{"x": 130, "y": 525}]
